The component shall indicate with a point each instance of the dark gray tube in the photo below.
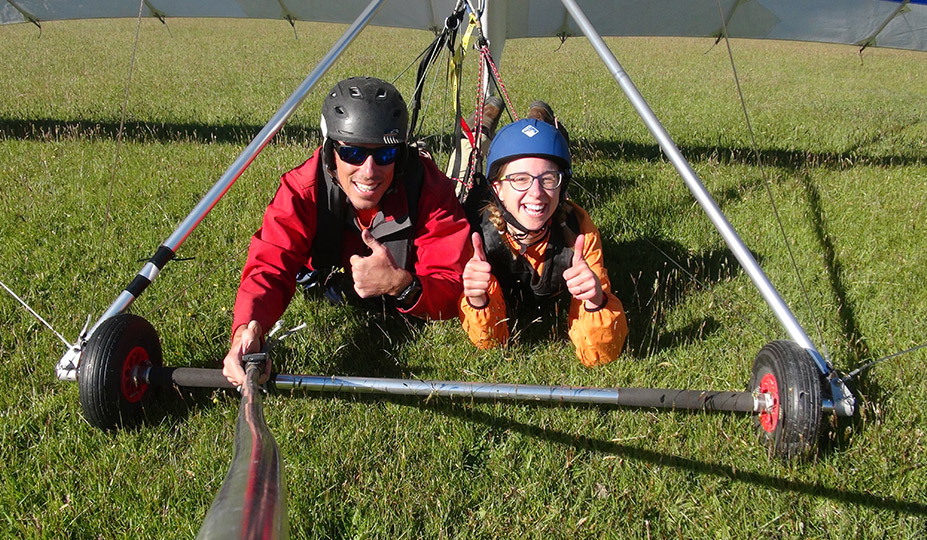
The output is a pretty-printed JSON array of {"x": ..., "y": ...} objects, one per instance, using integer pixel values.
[{"x": 188, "y": 377}]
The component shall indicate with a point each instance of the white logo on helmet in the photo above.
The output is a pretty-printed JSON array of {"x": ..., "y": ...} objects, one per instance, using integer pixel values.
[{"x": 530, "y": 131}]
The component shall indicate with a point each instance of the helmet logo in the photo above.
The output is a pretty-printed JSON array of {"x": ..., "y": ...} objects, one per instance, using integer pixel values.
[
  {"x": 392, "y": 137},
  {"x": 530, "y": 131}
]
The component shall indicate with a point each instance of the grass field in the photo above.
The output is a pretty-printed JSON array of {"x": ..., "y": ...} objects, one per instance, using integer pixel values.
[{"x": 842, "y": 142}]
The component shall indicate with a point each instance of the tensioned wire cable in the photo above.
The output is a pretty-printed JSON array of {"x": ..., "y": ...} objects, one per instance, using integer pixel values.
[
  {"x": 120, "y": 134},
  {"x": 109, "y": 199},
  {"x": 34, "y": 314},
  {"x": 122, "y": 121},
  {"x": 767, "y": 184},
  {"x": 119, "y": 140}
]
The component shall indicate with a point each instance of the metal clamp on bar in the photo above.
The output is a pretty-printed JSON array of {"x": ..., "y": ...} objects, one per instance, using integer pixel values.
[{"x": 257, "y": 359}]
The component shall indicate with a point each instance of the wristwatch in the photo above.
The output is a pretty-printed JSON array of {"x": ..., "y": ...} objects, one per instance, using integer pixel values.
[{"x": 409, "y": 296}]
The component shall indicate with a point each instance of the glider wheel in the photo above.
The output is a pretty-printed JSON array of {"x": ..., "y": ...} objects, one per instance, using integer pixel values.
[
  {"x": 110, "y": 393},
  {"x": 791, "y": 381}
]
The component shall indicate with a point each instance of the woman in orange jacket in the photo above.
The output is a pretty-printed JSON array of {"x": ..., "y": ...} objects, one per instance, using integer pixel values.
[{"x": 534, "y": 247}]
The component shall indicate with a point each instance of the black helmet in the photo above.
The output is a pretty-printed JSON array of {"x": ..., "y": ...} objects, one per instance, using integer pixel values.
[{"x": 365, "y": 110}]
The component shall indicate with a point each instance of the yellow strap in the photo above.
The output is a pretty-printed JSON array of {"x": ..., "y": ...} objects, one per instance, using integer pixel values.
[
  {"x": 468, "y": 35},
  {"x": 457, "y": 60}
]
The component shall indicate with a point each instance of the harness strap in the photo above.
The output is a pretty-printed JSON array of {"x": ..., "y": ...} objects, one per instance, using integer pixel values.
[
  {"x": 335, "y": 219},
  {"x": 517, "y": 278}
]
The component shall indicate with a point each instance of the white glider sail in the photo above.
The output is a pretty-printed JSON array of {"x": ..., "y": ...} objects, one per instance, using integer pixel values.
[{"x": 896, "y": 24}]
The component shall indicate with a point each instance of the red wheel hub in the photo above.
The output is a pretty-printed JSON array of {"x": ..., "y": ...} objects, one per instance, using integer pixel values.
[
  {"x": 769, "y": 418},
  {"x": 132, "y": 388}
]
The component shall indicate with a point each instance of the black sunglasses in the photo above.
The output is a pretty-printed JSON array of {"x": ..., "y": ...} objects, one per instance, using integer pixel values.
[{"x": 356, "y": 155}]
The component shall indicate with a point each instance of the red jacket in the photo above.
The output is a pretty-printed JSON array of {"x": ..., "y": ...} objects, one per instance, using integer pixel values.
[{"x": 283, "y": 244}]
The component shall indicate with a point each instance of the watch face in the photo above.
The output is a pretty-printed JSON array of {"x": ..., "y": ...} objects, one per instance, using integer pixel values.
[{"x": 411, "y": 292}]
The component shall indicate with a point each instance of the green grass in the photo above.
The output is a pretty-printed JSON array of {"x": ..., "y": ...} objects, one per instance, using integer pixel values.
[{"x": 843, "y": 143}]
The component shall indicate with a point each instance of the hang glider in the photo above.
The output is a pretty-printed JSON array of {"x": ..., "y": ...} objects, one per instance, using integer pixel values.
[
  {"x": 808, "y": 382},
  {"x": 899, "y": 24}
]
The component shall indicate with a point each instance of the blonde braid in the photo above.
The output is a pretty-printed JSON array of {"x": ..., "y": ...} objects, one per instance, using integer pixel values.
[{"x": 495, "y": 216}]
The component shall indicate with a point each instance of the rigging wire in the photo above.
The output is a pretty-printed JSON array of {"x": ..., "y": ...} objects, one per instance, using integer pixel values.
[
  {"x": 434, "y": 82},
  {"x": 432, "y": 91},
  {"x": 788, "y": 245},
  {"x": 209, "y": 270},
  {"x": 866, "y": 366},
  {"x": 36, "y": 315},
  {"x": 119, "y": 138},
  {"x": 768, "y": 185},
  {"x": 122, "y": 121}
]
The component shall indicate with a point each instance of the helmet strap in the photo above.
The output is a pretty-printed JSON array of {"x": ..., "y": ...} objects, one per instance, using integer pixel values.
[
  {"x": 513, "y": 223},
  {"x": 328, "y": 155}
]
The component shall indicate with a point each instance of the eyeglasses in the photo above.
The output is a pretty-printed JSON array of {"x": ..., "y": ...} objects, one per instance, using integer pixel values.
[
  {"x": 356, "y": 155},
  {"x": 522, "y": 181}
]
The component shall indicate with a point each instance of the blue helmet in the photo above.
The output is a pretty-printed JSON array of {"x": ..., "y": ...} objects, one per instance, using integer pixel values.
[{"x": 528, "y": 137}]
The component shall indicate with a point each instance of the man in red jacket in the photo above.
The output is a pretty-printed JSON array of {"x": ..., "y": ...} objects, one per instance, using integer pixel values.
[{"x": 367, "y": 219}]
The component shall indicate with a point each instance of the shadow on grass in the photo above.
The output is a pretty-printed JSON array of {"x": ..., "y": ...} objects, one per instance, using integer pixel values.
[
  {"x": 169, "y": 405},
  {"x": 53, "y": 129},
  {"x": 642, "y": 270},
  {"x": 497, "y": 426},
  {"x": 642, "y": 275},
  {"x": 360, "y": 338},
  {"x": 578, "y": 442},
  {"x": 792, "y": 160},
  {"x": 60, "y": 128},
  {"x": 651, "y": 276},
  {"x": 374, "y": 347},
  {"x": 856, "y": 351},
  {"x": 798, "y": 163}
]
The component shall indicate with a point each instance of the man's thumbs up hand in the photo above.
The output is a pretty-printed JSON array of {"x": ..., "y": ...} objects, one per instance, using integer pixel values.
[{"x": 377, "y": 273}]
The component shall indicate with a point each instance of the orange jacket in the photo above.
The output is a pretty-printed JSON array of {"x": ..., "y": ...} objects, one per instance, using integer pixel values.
[{"x": 597, "y": 335}]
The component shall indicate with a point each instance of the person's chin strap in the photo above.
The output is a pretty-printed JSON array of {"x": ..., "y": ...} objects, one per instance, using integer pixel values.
[{"x": 512, "y": 222}]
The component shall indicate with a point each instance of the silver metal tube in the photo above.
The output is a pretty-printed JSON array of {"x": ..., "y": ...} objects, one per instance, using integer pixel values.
[
  {"x": 124, "y": 300},
  {"x": 622, "y": 397},
  {"x": 474, "y": 390},
  {"x": 272, "y": 127},
  {"x": 766, "y": 288}
]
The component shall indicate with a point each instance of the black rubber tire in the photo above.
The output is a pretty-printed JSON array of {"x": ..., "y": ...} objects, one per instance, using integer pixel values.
[
  {"x": 788, "y": 372},
  {"x": 110, "y": 398}
]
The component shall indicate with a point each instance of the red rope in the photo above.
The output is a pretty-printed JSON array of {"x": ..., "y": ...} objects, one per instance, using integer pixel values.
[
  {"x": 484, "y": 53},
  {"x": 472, "y": 132}
]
